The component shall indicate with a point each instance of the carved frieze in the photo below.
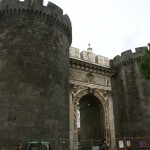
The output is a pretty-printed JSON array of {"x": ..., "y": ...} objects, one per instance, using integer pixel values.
[
  {"x": 90, "y": 78},
  {"x": 90, "y": 67},
  {"x": 103, "y": 92},
  {"x": 76, "y": 89}
]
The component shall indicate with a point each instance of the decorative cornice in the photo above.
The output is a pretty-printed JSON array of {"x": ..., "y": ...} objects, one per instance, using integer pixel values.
[
  {"x": 90, "y": 67},
  {"x": 90, "y": 85}
]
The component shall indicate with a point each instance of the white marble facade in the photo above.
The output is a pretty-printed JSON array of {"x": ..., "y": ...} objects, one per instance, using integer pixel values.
[{"x": 89, "y": 56}]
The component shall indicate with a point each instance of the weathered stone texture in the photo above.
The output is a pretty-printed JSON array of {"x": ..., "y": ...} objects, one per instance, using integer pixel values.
[
  {"x": 34, "y": 78},
  {"x": 131, "y": 96}
]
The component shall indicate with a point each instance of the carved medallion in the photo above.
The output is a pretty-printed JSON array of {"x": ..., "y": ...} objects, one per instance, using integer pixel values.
[{"x": 90, "y": 78}]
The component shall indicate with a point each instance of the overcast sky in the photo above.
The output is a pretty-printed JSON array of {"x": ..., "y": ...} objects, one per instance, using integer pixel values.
[{"x": 110, "y": 26}]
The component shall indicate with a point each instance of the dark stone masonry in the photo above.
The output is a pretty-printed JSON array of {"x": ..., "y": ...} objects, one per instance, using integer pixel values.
[
  {"x": 131, "y": 96},
  {"x": 34, "y": 72},
  {"x": 34, "y": 82}
]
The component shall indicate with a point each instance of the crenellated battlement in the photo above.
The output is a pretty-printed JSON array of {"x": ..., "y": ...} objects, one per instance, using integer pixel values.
[
  {"x": 128, "y": 57},
  {"x": 50, "y": 14},
  {"x": 89, "y": 56}
]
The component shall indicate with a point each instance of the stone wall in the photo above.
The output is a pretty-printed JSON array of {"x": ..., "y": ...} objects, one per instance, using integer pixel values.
[
  {"x": 131, "y": 97},
  {"x": 34, "y": 73}
]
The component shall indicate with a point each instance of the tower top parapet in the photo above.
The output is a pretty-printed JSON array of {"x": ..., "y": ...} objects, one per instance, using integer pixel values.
[
  {"x": 128, "y": 57},
  {"x": 52, "y": 13},
  {"x": 89, "y": 57},
  {"x": 31, "y": 4}
]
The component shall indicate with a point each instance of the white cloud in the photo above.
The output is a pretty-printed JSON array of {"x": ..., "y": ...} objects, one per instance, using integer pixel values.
[{"x": 111, "y": 26}]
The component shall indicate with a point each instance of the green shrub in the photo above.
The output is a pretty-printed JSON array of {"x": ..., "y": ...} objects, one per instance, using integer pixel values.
[{"x": 145, "y": 65}]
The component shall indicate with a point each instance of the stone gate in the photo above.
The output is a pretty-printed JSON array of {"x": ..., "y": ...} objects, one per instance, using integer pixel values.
[{"x": 90, "y": 74}]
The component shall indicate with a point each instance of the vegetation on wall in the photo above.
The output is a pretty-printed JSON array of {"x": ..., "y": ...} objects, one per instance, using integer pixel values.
[{"x": 145, "y": 65}]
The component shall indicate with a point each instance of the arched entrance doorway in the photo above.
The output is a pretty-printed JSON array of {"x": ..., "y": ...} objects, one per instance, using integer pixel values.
[
  {"x": 91, "y": 118},
  {"x": 87, "y": 97}
]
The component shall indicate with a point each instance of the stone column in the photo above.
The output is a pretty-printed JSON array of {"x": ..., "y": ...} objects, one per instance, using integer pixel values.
[
  {"x": 71, "y": 118},
  {"x": 111, "y": 122}
]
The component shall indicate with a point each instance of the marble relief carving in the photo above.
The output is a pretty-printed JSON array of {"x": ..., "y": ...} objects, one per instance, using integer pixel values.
[{"x": 78, "y": 92}]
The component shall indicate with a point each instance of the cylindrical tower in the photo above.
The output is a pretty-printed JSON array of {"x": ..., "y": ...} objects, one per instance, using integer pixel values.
[
  {"x": 34, "y": 73},
  {"x": 130, "y": 95}
]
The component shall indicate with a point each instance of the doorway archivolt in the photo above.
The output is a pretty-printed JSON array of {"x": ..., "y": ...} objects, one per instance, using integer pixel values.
[{"x": 102, "y": 95}]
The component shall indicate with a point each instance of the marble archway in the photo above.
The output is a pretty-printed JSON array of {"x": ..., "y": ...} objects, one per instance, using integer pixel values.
[{"x": 77, "y": 93}]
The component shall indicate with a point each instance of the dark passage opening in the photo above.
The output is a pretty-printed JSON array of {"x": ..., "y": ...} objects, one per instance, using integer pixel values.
[{"x": 91, "y": 118}]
